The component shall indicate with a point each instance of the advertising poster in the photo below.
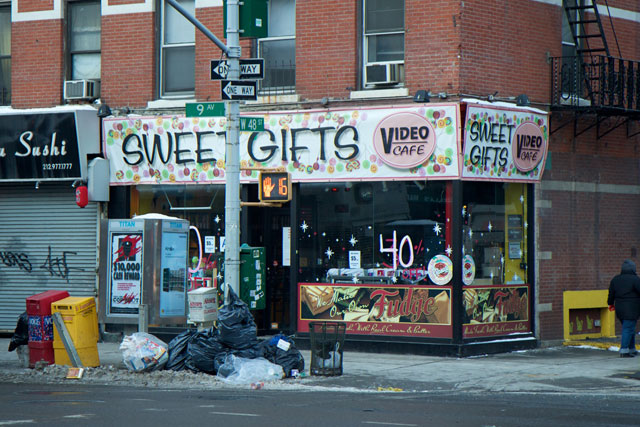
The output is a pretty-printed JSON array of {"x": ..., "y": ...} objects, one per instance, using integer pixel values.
[
  {"x": 174, "y": 274},
  {"x": 125, "y": 273},
  {"x": 375, "y": 143},
  {"x": 418, "y": 311},
  {"x": 492, "y": 311},
  {"x": 505, "y": 144}
]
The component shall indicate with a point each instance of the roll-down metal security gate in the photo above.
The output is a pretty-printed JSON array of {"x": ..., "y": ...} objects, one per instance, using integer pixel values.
[{"x": 47, "y": 243}]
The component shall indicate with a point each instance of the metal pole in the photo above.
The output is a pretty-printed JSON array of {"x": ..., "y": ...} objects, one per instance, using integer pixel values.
[
  {"x": 232, "y": 158},
  {"x": 198, "y": 25}
]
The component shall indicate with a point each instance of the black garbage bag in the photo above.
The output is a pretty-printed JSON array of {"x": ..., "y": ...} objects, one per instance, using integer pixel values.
[
  {"x": 282, "y": 351},
  {"x": 21, "y": 334},
  {"x": 177, "y": 351},
  {"x": 237, "y": 328},
  {"x": 203, "y": 348}
]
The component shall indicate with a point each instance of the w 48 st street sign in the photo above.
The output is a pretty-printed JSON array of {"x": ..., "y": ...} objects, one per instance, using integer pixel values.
[{"x": 252, "y": 69}]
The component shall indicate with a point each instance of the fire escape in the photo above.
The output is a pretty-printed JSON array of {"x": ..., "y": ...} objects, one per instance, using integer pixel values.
[{"x": 592, "y": 84}]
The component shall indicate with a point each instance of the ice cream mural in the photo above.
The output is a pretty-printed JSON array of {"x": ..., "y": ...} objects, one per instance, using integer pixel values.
[{"x": 316, "y": 145}]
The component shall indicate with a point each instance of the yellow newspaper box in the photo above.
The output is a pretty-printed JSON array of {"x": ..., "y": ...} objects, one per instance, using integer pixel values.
[{"x": 81, "y": 320}]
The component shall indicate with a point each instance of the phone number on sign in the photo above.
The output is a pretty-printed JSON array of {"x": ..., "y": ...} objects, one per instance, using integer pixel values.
[{"x": 56, "y": 166}]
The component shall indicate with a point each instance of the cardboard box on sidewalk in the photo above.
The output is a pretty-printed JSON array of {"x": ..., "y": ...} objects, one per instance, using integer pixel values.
[{"x": 203, "y": 305}]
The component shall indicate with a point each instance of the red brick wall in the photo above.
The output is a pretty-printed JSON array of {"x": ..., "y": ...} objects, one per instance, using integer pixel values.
[
  {"x": 504, "y": 47},
  {"x": 128, "y": 76},
  {"x": 432, "y": 46},
  {"x": 588, "y": 233},
  {"x": 37, "y": 64},
  {"x": 326, "y": 48},
  {"x": 34, "y": 5}
]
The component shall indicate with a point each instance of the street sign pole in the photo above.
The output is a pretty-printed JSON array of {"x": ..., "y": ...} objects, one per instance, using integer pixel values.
[
  {"x": 232, "y": 144},
  {"x": 232, "y": 159}
]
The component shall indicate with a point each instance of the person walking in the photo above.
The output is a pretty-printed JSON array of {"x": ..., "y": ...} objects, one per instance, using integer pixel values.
[{"x": 624, "y": 298}]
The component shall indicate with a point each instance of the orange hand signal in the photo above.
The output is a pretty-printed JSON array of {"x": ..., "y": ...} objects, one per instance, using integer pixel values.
[{"x": 267, "y": 186}]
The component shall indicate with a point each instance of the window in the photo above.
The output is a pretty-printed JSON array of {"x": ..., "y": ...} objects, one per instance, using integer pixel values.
[
  {"x": 177, "y": 52},
  {"x": 495, "y": 232},
  {"x": 383, "y": 42},
  {"x": 279, "y": 49},
  {"x": 367, "y": 217},
  {"x": 84, "y": 40},
  {"x": 5, "y": 55}
]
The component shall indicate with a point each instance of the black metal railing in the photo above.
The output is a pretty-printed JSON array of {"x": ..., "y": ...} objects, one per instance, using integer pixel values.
[
  {"x": 5, "y": 96},
  {"x": 279, "y": 78},
  {"x": 602, "y": 83}
]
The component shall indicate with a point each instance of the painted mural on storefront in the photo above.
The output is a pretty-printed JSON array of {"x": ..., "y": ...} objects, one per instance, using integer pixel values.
[
  {"x": 497, "y": 310},
  {"x": 316, "y": 145},
  {"x": 421, "y": 311}
]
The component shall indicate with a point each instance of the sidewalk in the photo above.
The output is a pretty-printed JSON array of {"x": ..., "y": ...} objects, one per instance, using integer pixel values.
[{"x": 563, "y": 369}]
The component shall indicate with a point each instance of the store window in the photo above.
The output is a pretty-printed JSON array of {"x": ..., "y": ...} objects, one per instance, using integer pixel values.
[
  {"x": 496, "y": 296},
  {"x": 177, "y": 51},
  {"x": 385, "y": 232},
  {"x": 383, "y": 42},
  {"x": 84, "y": 40},
  {"x": 495, "y": 231},
  {"x": 5, "y": 54},
  {"x": 202, "y": 206},
  {"x": 279, "y": 48}
]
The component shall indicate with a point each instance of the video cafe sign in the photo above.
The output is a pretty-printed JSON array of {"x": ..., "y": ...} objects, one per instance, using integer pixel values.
[
  {"x": 39, "y": 146},
  {"x": 505, "y": 144}
]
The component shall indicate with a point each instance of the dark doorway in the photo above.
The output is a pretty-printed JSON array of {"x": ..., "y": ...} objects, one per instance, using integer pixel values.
[{"x": 266, "y": 226}]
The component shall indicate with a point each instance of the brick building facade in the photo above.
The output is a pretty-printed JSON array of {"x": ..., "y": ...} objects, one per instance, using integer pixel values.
[{"x": 587, "y": 214}]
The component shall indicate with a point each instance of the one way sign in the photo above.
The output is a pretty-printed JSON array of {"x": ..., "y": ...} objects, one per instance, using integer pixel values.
[
  {"x": 251, "y": 68},
  {"x": 239, "y": 90}
]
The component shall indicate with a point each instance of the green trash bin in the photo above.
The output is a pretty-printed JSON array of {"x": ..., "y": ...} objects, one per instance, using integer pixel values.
[{"x": 327, "y": 343}]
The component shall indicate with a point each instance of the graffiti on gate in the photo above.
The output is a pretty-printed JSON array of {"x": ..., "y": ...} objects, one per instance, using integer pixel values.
[{"x": 55, "y": 265}]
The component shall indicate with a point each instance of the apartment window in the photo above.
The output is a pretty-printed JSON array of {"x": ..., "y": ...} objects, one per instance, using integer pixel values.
[
  {"x": 5, "y": 55},
  {"x": 84, "y": 40},
  {"x": 383, "y": 42},
  {"x": 279, "y": 48},
  {"x": 178, "y": 51}
]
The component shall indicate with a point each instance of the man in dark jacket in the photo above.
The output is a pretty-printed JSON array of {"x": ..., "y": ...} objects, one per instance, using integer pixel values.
[{"x": 624, "y": 294}]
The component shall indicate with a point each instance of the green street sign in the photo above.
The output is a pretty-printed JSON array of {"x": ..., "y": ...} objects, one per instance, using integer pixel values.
[
  {"x": 251, "y": 124},
  {"x": 204, "y": 109}
]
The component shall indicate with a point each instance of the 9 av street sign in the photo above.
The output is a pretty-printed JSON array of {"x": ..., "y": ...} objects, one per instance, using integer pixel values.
[
  {"x": 204, "y": 109},
  {"x": 252, "y": 68},
  {"x": 239, "y": 90}
]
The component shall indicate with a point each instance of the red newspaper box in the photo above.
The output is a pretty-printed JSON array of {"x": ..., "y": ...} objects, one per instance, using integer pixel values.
[{"x": 41, "y": 326}]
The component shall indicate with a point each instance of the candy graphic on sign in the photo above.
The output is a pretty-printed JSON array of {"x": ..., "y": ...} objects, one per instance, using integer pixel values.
[
  {"x": 528, "y": 146},
  {"x": 404, "y": 140},
  {"x": 468, "y": 270},
  {"x": 440, "y": 269}
]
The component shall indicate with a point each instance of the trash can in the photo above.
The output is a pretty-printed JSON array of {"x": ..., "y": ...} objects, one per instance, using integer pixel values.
[
  {"x": 81, "y": 320},
  {"x": 41, "y": 326},
  {"x": 327, "y": 342}
]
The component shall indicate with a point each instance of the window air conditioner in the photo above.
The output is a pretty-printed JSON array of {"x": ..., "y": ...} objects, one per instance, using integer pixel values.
[
  {"x": 382, "y": 74},
  {"x": 81, "y": 89}
]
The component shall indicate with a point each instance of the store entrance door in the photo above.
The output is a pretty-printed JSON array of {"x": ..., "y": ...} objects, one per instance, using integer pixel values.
[{"x": 267, "y": 230}]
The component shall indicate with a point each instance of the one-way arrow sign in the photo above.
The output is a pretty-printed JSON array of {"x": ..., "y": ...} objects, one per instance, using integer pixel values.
[
  {"x": 239, "y": 90},
  {"x": 252, "y": 68}
]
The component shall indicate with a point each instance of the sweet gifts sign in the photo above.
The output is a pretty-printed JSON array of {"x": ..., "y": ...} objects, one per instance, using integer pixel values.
[{"x": 412, "y": 142}]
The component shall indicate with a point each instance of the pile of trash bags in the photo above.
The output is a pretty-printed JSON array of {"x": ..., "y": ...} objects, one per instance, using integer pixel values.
[{"x": 231, "y": 351}]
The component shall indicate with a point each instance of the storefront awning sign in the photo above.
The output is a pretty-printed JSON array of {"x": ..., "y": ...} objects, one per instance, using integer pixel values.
[
  {"x": 382, "y": 143},
  {"x": 504, "y": 144},
  {"x": 46, "y": 145}
]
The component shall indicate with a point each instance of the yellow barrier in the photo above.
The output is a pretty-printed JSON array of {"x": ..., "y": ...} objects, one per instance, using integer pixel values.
[{"x": 586, "y": 315}]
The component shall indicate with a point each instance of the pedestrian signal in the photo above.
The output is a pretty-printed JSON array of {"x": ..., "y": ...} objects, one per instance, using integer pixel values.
[{"x": 274, "y": 187}]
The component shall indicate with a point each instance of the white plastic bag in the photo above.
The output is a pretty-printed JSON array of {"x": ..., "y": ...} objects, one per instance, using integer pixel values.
[
  {"x": 239, "y": 370},
  {"x": 142, "y": 352}
]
